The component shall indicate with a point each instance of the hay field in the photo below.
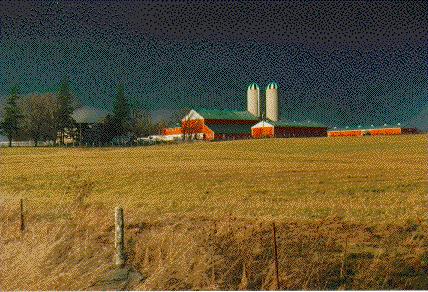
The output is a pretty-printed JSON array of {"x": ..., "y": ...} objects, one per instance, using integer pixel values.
[
  {"x": 351, "y": 213},
  {"x": 367, "y": 179}
]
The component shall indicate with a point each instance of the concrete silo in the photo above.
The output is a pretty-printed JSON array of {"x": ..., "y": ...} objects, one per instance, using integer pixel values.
[
  {"x": 272, "y": 102},
  {"x": 253, "y": 99}
]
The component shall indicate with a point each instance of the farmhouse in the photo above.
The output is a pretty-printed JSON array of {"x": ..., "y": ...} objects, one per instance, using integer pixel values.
[
  {"x": 88, "y": 115},
  {"x": 86, "y": 118}
]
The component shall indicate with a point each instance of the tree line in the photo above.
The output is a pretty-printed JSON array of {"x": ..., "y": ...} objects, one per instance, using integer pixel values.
[{"x": 48, "y": 117}]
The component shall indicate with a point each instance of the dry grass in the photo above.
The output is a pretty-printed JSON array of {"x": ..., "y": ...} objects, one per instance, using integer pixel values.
[
  {"x": 351, "y": 213},
  {"x": 368, "y": 179}
]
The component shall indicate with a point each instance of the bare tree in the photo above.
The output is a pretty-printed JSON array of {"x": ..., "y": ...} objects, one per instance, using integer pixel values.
[
  {"x": 190, "y": 128},
  {"x": 40, "y": 114},
  {"x": 141, "y": 124}
]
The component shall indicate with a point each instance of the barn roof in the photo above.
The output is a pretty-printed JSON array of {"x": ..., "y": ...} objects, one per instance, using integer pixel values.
[
  {"x": 369, "y": 127},
  {"x": 230, "y": 129},
  {"x": 215, "y": 114},
  {"x": 287, "y": 124},
  {"x": 88, "y": 115},
  {"x": 263, "y": 124}
]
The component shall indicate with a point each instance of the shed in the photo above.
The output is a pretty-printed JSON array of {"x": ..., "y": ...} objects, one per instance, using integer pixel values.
[{"x": 262, "y": 129}]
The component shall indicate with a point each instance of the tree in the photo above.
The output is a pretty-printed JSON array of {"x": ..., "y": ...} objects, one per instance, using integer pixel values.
[
  {"x": 159, "y": 126},
  {"x": 10, "y": 125},
  {"x": 121, "y": 112},
  {"x": 190, "y": 127},
  {"x": 40, "y": 120},
  {"x": 101, "y": 133},
  {"x": 187, "y": 128},
  {"x": 181, "y": 117},
  {"x": 65, "y": 108},
  {"x": 141, "y": 123}
]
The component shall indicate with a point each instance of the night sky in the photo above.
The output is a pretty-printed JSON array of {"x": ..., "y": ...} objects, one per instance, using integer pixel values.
[{"x": 341, "y": 63}]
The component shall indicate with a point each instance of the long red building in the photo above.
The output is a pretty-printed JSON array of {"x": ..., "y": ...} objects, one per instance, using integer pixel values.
[
  {"x": 231, "y": 124},
  {"x": 372, "y": 131}
]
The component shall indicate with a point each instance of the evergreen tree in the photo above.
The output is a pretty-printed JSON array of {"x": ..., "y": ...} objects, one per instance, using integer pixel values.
[
  {"x": 65, "y": 102},
  {"x": 121, "y": 111},
  {"x": 10, "y": 126}
]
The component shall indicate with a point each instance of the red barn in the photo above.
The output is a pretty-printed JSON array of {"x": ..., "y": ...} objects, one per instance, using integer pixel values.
[
  {"x": 172, "y": 131},
  {"x": 284, "y": 129},
  {"x": 289, "y": 129},
  {"x": 372, "y": 131},
  {"x": 218, "y": 124},
  {"x": 262, "y": 130},
  {"x": 232, "y": 124}
]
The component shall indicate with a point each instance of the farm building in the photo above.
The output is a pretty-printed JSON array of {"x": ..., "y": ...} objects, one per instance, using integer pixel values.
[
  {"x": 285, "y": 129},
  {"x": 371, "y": 131},
  {"x": 87, "y": 118},
  {"x": 262, "y": 129},
  {"x": 212, "y": 124},
  {"x": 175, "y": 132},
  {"x": 218, "y": 124},
  {"x": 88, "y": 115}
]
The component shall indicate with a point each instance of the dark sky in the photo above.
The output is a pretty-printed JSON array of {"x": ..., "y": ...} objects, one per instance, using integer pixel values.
[{"x": 342, "y": 63}]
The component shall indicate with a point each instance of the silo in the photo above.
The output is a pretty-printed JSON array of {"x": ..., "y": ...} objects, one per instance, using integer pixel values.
[
  {"x": 253, "y": 99},
  {"x": 272, "y": 102}
]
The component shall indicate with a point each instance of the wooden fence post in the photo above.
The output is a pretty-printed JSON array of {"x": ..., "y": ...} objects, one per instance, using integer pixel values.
[
  {"x": 244, "y": 279},
  {"x": 119, "y": 237},
  {"x": 276, "y": 256},
  {"x": 21, "y": 207},
  {"x": 342, "y": 266}
]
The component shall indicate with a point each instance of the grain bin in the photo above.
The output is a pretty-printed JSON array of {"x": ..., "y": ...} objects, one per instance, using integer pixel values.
[
  {"x": 272, "y": 102},
  {"x": 253, "y": 99}
]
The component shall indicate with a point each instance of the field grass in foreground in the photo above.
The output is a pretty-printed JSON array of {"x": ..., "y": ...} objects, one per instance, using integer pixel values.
[
  {"x": 351, "y": 213},
  {"x": 364, "y": 179}
]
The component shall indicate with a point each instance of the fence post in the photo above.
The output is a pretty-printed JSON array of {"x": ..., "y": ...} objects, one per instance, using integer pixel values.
[
  {"x": 342, "y": 266},
  {"x": 21, "y": 207},
  {"x": 276, "y": 256},
  {"x": 119, "y": 237},
  {"x": 244, "y": 279}
]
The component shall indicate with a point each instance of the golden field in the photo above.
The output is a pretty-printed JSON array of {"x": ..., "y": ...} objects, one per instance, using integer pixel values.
[
  {"x": 366, "y": 179},
  {"x": 351, "y": 213}
]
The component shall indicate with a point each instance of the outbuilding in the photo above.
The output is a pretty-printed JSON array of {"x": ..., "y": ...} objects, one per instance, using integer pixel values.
[
  {"x": 262, "y": 129},
  {"x": 86, "y": 118},
  {"x": 287, "y": 129},
  {"x": 372, "y": 131}
]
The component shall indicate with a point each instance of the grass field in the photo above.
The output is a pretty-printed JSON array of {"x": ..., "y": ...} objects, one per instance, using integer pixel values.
[
  {"x": 369, "y": 179},
  {"x": 364, "y": 198}
]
